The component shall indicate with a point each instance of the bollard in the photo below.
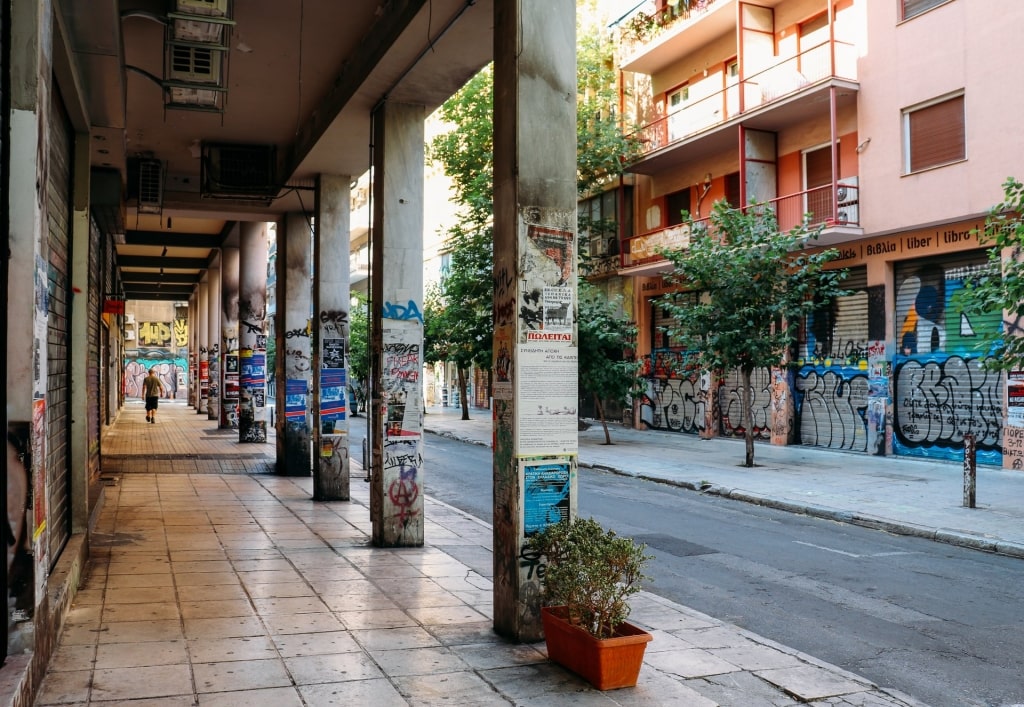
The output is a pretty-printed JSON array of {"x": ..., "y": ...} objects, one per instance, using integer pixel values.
[{"x": 970, "y": 470}]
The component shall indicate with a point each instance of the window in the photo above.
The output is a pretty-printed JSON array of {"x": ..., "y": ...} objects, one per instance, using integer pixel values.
[
  {"x": 934, "y": 134},
  {"x": 818, "y": 182},
  {"x": 913, "y": 8},
  {"x": 598, "y": 224},
  {"x": 675, "y": 204}
]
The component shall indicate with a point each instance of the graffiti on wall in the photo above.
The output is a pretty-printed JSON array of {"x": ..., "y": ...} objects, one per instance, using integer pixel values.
[
  {"x": 941, "y": 389},
  {"x": 156, "y": 333},
  {"x": 169, "y": 369},
  {"x": 833, "y": 407},
  {"x": 676, "y": 397},
  {"x": 841, "y": 382},
  {"x": 16, "y": 532},
  {"x": 733, "y": 418}
]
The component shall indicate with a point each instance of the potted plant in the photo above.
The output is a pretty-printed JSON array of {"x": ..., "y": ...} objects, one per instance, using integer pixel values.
[{"x": 590, "y": 573}]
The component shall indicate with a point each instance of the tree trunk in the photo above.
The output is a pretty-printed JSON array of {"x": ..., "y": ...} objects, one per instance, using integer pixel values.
[
  {"x": 748, "y": 402},
  {"x": 600, "y": 416},
  {"x": 462, "y": 392}
]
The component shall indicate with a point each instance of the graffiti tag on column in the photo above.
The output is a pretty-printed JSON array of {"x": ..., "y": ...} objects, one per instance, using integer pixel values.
[
  {"x": 333, "y": 321},
  {"x": 251, "y": 328},
  {"x": 403, "y": 493},
  {"x": 404, "y": 312},
  {"x": 940, "y": 401}
]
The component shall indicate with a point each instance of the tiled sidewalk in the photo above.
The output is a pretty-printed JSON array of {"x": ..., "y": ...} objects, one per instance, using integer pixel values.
[{"x": 238, "y": 589}]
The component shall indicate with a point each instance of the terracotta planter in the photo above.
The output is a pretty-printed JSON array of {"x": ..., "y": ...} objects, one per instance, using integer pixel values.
[{"x": 606, "y": 663}]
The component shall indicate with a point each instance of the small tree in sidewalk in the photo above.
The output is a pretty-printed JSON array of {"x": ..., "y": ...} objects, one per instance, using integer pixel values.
[
  {"x": 1000, "y": 288},
  {"x": 608, "y": 370},
  {"x": 755, "y": 284}
]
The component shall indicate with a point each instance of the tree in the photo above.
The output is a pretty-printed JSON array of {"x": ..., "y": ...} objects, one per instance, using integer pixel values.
[
  {"x": 458, "y": 311},
  {"x": 1000, "y": 288},
  {"x": 608, "y": 369},
  {"x": 755, "y": 286},
  {"x": 358, "y": 351}
]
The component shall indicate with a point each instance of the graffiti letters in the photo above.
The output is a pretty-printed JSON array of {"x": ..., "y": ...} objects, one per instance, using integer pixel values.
[
  {"x": 733, "y": 416},
  {"x": 403, "y": 312},
  {"x": 938, "y": 401},
  {"x": 251, "y": 328},
  {"x": 832, "y": 405}
]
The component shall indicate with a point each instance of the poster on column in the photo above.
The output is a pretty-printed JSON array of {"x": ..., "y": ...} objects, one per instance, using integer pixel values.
[
  {"x": 333, "y": 355},
  {"x": 400, "y": 373},
  {"x": 295, "y": 391},
  {"x": 1015, "y": 398},
  {"x": 547, "y": 393},
  {"x": 333, "y": 408},
  {"x": 546, "y": 488}
]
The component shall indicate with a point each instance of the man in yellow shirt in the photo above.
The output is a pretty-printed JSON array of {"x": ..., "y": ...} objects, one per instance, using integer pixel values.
[{"x": 152, "y": 388}]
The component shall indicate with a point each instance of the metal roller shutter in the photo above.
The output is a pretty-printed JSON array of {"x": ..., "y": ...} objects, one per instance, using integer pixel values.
[
  {"x": 93, "y": 365},
  {"x": 832, "y": 380},
  {"x": 940, "y": 389},
  {"x": 58, "y": 206},
  {"x": 732, "y": 420}
]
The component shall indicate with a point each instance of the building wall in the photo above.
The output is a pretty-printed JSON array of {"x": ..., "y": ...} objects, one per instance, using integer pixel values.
[{"x": 960, "y": 45}]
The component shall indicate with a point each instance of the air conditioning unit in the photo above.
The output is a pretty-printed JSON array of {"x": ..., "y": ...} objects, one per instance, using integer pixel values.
[
  {"x": 848, "y": 191},
  {"x": 848, "y": 214},
  {"x": 151, "y": 186},
  {"x": 239, "y": 171}
]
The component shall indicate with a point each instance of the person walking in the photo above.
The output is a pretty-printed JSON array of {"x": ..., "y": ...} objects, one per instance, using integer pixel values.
[{"x": 152, "y": 388}]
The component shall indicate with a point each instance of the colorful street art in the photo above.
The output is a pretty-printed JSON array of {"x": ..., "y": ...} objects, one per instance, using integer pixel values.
[
  {"x": 170, "y": 370},
  {"x": 941, "y": 390}
]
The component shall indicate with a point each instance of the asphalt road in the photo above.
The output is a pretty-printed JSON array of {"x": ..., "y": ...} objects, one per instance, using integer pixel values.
[{"x": 940, "y": 623}]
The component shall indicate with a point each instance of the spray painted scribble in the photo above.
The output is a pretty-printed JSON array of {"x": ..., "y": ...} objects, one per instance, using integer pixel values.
[
  {"x": 732, "y": 415},
  {"x": 832, "y": 405}
]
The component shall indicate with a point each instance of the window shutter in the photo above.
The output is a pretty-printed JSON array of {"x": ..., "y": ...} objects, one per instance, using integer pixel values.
[{"x": 937, "y": 134}]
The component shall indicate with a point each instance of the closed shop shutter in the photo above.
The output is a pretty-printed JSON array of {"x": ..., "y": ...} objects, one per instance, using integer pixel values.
[
  {"x": 732, "y": 419},
  {"x": 832, "y": 379},
  {"x": 94, "y": 365},
  {"x": 941, "y": 390},
  {"x": 58, "y": 206}
]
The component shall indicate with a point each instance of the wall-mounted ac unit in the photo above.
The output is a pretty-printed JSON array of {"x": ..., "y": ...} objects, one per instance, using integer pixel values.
[
  {"x": 848, "y": 190},
  {"x": 239, "y": 171},
  {"x": 849, "y": 214},
  {"x": 151, "y": 186}
]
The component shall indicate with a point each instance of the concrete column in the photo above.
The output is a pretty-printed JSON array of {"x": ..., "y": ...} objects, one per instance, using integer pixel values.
[
  {"x": 213, "y": 336},
  {"x": 202, "y": 338},
  {"x": 229, "y": 338},
  {"x": 396, "y": 490},
  {"x": 252, "y": 337},
  {"x": 294, "y": 367},
  {"x": 330, "y": 338},
  {"x": 535, "y": 356}
]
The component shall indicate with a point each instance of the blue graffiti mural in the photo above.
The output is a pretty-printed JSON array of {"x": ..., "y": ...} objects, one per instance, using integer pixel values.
[{"x": 402, "y": 311}]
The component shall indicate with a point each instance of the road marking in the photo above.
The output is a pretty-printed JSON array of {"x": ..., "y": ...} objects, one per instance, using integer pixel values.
[{"x": 853, "y": 554}]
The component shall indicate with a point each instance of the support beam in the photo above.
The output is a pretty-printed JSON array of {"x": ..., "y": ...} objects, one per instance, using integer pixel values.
[
  {"x": 252, "y": 333},
  {"x": 229, "y": 338}
]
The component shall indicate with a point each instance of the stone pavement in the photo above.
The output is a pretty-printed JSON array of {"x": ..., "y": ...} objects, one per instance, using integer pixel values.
[
  {"x": 225, "y": 586},
  {"x": 896, "y": 494}
]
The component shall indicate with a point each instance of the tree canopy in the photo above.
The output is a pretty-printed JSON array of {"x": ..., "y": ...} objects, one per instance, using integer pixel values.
[
  {"x": 1000, "y": 288},
  {"x": 745, "y": 288}
]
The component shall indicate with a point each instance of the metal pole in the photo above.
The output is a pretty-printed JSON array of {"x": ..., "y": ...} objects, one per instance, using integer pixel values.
[{"x": 970, "y": 470}]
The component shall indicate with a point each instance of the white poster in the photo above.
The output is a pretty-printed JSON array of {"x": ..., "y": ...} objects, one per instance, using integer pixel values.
[{"x": 547, "y": 403}]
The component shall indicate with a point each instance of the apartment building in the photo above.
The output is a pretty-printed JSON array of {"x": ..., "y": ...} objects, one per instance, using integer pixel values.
[{"x": 890, "y": 124}]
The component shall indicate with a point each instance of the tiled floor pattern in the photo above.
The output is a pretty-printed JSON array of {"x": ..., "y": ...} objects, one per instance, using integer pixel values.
[{"x": 222, "y": 590}]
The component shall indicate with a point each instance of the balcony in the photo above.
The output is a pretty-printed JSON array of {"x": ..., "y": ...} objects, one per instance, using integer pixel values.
[
  {"x": 835, "y": 208},
  {"x": 771, "y": 99},
  {"x": 649, "y": 41}
]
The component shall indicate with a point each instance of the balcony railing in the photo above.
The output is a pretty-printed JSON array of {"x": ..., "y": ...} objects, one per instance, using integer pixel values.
[
  {"x": 702, "y": 112},
  {"x": 827, "y": 206},
  {"x": 640, "y": 28}
]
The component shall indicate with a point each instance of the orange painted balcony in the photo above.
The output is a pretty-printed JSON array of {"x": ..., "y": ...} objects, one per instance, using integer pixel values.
[{"x": 835, "y": 208}]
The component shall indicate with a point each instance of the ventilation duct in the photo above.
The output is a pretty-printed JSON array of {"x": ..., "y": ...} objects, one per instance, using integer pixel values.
[{"x": 151, "y": 186}]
